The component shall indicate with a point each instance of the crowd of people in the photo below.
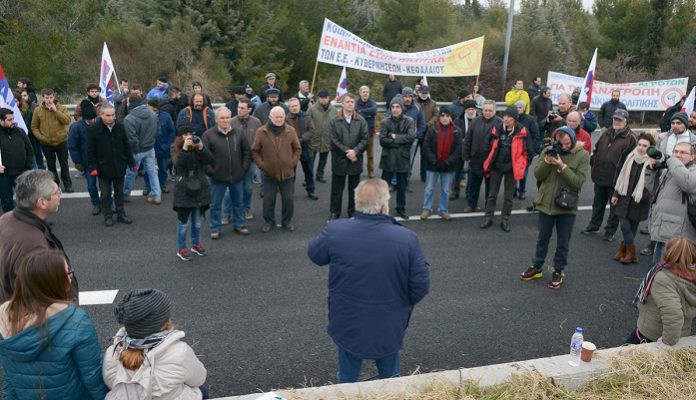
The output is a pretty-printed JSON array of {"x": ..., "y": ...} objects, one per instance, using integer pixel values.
[{"x": 213, "y": 158}]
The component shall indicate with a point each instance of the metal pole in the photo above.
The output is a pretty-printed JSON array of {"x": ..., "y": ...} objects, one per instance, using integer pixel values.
[{"x": 508, "y": 34}]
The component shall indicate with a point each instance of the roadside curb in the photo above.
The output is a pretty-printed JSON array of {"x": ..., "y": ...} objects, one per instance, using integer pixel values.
[{"x": 556, "y": 368}]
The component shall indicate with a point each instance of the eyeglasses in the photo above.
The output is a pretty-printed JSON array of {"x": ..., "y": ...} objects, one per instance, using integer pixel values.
[
  {"x": 680, "y": 152},
  {"x": 57, "y": 192}
]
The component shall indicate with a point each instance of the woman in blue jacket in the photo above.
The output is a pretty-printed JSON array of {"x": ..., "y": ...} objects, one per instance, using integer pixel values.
[{"x": 48, "y": 347}]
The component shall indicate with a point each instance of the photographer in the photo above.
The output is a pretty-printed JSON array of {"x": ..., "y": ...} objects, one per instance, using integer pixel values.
[
  {"x": 562, "y": 166},
  {"x": 191, "y": 192},
  {"x": 632, "y": 193},
  {"x": 668, "y": 217},
  {"x": 557, "y": 119}
]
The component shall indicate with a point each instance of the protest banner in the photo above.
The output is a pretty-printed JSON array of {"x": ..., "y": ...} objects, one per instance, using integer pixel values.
[
  {"x": 340, "y": 47},
  {"x": 638, "y": 96}
]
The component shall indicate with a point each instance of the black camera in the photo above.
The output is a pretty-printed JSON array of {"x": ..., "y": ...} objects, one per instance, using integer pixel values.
[
  {"x": 653, "y": 152},
  {"x": 554, "y": 148},
  {"x": 195, "y": 139}
]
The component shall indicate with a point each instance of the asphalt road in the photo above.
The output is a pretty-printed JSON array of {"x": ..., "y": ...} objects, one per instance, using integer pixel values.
[{"x": 255, "y": 308}]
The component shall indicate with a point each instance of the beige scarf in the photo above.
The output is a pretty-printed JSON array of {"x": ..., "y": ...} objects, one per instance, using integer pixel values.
[{"x": 623, "y": 181}]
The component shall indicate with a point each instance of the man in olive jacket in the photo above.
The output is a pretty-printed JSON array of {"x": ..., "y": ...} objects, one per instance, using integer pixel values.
[
  {"x": 49, "y": 123},
  {"x": 396, "y": 135},
  {"x": 348, "y": 142},
  {"x": 276, "y": 151},
  {"x": 567, "y": 169},
  {"x": 322, "y": 113}
]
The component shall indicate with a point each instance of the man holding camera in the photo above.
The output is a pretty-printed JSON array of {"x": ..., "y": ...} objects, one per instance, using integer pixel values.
[
  {"x": 232, "y": 154},
  {"x": 564, "y": 165},
  {"x": 608, "y": 157},
  {"x": 668, "y": 217}
]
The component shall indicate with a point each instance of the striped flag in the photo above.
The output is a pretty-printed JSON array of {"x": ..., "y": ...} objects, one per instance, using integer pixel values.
[
  {"x": 106, "y": 71},
  {"x": 342, "y": 87},
  {"x": 586, "y": 92},
  {"x": 7, "y": 100}
]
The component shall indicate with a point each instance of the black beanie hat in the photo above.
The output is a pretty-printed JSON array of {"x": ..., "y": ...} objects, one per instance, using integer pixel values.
[
  {"x": 143, "y": 312},
  {"x": 511, "y": 112},
  {"x": 184, "y": 128},
  {"x": 88, "y": 110}
]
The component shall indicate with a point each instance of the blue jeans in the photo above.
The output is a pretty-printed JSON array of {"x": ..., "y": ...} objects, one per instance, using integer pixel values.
[
  {"x": 7, "y": 184},
  {"x": 161, "y": 173},
  {"x": 92, "y": 188},
  {"x": 148, "y": 161},
  {"x": 349, "y": 366},
  {"x": 194, "y": 219},
  {"x": 431, "y": 178},
  {"x": 217, "y": 193},
  {"x": 657, "y": 254},
  {"x": 248, "y": 188}
]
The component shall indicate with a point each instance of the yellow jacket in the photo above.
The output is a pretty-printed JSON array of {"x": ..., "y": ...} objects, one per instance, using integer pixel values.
[
  {"x": 51, "y": 127},
  {"x": 515, "y": 95}
]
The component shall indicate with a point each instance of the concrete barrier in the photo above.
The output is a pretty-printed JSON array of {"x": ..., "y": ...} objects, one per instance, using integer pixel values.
[{"x": 556, "y": 368}]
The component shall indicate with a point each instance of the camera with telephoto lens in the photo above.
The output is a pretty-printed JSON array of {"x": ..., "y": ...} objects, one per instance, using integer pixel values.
[
  {"x": 554, "y": 148},
  {"x": 653, "y": 152},
  {"x": 195, "y": 139}
]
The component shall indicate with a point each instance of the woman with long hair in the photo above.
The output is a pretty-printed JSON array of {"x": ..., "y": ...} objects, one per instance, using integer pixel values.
[
  {"x": 632, "y": 194},
  {"x": 148, "y": 358},
  {"x": 666, "y": 299},
  {"x": 191, "y": 190},
  {"x": 48, "y": 347}
]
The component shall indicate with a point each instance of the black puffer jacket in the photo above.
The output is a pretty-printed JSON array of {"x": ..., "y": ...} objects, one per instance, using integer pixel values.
[
  {"x": 191, "y": 189},
  {"x": 396, "y": 150}
]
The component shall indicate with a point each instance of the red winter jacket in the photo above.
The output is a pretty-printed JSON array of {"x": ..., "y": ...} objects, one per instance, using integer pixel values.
[{"x": 518, "y": 150}]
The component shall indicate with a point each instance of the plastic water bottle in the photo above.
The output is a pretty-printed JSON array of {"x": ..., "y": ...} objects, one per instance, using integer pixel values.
[{"x": 575, "y": 347}]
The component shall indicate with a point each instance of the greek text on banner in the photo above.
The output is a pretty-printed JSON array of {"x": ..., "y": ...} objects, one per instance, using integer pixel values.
[
  {"x": 638, "y": 96},
  {"x": 338, "y": 46}
]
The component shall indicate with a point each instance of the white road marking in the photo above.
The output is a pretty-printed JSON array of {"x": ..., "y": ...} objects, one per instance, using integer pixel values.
[
  {"x": 98, "y": 297},
  {"x": 85, "y": 195}
]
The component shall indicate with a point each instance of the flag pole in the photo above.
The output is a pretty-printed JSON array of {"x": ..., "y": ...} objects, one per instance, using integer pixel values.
[{"x": 314, "y": 76}]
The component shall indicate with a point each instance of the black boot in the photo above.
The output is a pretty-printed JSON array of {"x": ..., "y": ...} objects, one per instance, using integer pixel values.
[{"x": 487, "y": 223}]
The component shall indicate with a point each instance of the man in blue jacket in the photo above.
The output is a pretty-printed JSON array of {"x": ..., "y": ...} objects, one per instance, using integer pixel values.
[{"x": 374, "y": 283}]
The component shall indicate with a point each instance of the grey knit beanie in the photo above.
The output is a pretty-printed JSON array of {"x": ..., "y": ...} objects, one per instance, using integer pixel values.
[
  {"x": 143, "y": 312},
  {"x": 397, "y": 100}
]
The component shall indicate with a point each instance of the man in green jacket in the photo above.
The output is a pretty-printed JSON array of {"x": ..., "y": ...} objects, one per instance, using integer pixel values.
[{"x": 566, "y": 169}]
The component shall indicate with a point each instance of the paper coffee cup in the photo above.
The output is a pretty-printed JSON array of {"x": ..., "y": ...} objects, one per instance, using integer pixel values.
[{"x": 588, "y": 349}]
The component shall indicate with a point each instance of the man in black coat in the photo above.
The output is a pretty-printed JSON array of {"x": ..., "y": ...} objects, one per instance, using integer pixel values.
[
  {"x": 396, "y": 135},
  {"x": 108, "y": 157},
  {"x": 475, "y": 151},
  {"x": 348, "y": 142},
  {"x": 606, "y": 112},
  {"x": 16, "y": 155}
]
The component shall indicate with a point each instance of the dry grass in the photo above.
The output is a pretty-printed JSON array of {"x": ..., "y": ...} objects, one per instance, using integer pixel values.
[{"x": 638, "y": 374}]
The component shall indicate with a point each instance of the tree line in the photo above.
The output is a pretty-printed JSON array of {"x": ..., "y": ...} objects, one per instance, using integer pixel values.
[{"x": 222, "y": 43}]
